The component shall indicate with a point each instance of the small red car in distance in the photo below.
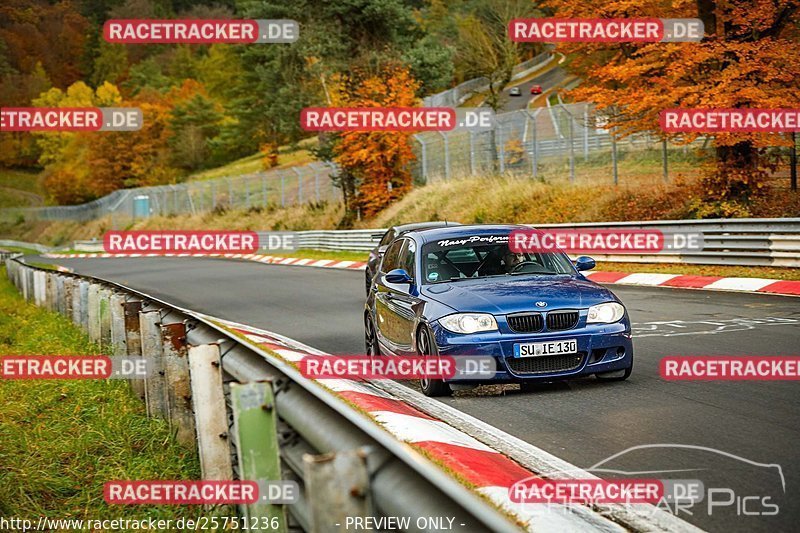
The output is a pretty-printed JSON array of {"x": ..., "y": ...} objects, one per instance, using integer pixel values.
[{"x": 536, "y": 89}]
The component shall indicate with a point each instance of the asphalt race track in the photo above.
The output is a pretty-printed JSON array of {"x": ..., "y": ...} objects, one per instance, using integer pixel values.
[
  {"x": 548, "y": 80},
  {"x": 584, "y": 421}
]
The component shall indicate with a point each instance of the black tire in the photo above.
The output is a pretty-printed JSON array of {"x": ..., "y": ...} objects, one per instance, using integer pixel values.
[
  {"x": 370, "y": 337},
  {"x": 368, "y": 282},
  {"x": 617, "y": 375},
  {"x": 426, "y": 346}
]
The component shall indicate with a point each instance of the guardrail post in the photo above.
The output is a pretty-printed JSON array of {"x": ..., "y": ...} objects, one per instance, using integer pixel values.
[
  {"x": 255, "y": 425},
  {"x": 179, "y": 390},
  {"x": 42, "y": 290},
  {"x": 61, "y": 300},
  {"x": 49, "y": 291},
  {"x": 104, "y": 316},
  {"x": 208, "y": 399},
  {"x": 27, "y": 283},
  {"x": 337, "y": 487},
  {"x": 69, "y": 296},
  {"x": 93, "y": 312},
  {"x": 117, "y": 311},
  {"x": 79, "y": 300},
  {"x": 155, "y": 385},
  {"x": 133, "y": 339}
]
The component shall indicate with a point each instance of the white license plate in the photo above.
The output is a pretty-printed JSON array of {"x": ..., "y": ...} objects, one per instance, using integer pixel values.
[{"x": 541, "y": 349}]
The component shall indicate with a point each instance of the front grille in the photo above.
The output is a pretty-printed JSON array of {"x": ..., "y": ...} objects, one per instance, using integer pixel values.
[
  {"x": 561, "y": 320},
  {"x": 545, "y": 365},
  {"x": 525, "y": 323}
]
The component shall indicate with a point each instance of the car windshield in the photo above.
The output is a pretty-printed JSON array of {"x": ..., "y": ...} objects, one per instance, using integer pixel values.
[{"x": 483, "y": 256}]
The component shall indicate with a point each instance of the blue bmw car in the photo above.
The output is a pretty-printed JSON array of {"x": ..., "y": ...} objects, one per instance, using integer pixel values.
[{"x": 462, "y": 291}]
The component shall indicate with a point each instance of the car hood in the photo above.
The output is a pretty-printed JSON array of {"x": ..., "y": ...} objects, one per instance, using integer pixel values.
[{"x": 501, "y": 296}]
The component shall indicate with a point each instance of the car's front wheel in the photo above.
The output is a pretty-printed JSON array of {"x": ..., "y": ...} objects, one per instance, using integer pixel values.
[
  {"x": 367, "y": 282},
  {"x": 370, "y": 337},
  {"x": 427, "y": 347}
]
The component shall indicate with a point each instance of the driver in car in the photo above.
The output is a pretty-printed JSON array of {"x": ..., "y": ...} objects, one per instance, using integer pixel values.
[{"x": 511, "y": 260}]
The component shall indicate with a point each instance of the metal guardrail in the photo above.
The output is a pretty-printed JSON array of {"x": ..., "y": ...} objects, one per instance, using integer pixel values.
[
  {"x": 41, "y": 248},
  {"x": 311, "y": 419},
  {"x": 737, "y": 242}
]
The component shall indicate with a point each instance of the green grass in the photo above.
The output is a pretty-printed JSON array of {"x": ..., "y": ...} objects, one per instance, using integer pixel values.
[
  {"x": 60, "y": 441},
  {"x": 287, "y": 156},
  {"x": 325, "y": 254},
  {"x": 20, "y": 188}
]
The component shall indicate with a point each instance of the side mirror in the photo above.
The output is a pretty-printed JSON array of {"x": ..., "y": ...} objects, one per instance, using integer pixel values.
[
  {"x": 397, "y": 276},
  {"x": 382, "y": 250},
  {"x": 585, "y": 263}
]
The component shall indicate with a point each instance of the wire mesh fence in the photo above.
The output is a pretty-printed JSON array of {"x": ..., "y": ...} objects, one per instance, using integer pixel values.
[
  {"x": 283, "y": 187},
  {"x": 554, "y": 142}
]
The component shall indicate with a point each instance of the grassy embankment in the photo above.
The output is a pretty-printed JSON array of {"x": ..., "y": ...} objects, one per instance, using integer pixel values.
[
  {"x": 640, "y": 195},
  {"x": 61, "y": 440}
]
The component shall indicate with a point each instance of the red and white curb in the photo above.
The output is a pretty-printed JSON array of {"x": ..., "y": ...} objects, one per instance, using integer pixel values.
[
  {"x": 679, "y": 281},
  {"x": 771, "y": 286},
  {"x": 269, "y": 259},
  {"x": 474, "y": 462}
]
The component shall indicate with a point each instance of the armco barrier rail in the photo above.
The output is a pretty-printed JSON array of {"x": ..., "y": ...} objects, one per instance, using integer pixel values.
[
  {"x": 253, "y": 416},
  {"x": 740, "y": 242}
]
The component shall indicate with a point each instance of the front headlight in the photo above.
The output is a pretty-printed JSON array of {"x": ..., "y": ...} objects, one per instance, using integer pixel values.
[
  {"x": 605, "y": 313},
  {"x": 469, "y": 322}
]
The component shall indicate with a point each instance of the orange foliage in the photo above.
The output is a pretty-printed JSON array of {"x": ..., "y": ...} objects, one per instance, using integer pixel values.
[
  {"x": 270, "y": 155},
  {"x": 378, "y": 160},
  {"x": 750, "y": 58}
]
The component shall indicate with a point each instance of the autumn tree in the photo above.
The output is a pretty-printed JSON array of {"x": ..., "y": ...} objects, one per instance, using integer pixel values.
[
  {"x": 484, "y": 49},
  {"x": 749, "y": 58},
  {"x": 374, "y": 165}
]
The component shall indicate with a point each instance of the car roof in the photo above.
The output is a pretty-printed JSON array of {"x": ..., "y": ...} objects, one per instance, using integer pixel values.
[
  {"x": 434, "y": 234},
  {"x": 403, "y": 228}
]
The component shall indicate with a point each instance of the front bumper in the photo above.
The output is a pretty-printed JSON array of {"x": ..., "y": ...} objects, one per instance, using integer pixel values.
[{"x": 601, "y": 348}]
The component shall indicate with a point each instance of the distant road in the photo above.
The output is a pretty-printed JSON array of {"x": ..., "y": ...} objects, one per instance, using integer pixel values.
[{"x": 547, "y": 80}]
